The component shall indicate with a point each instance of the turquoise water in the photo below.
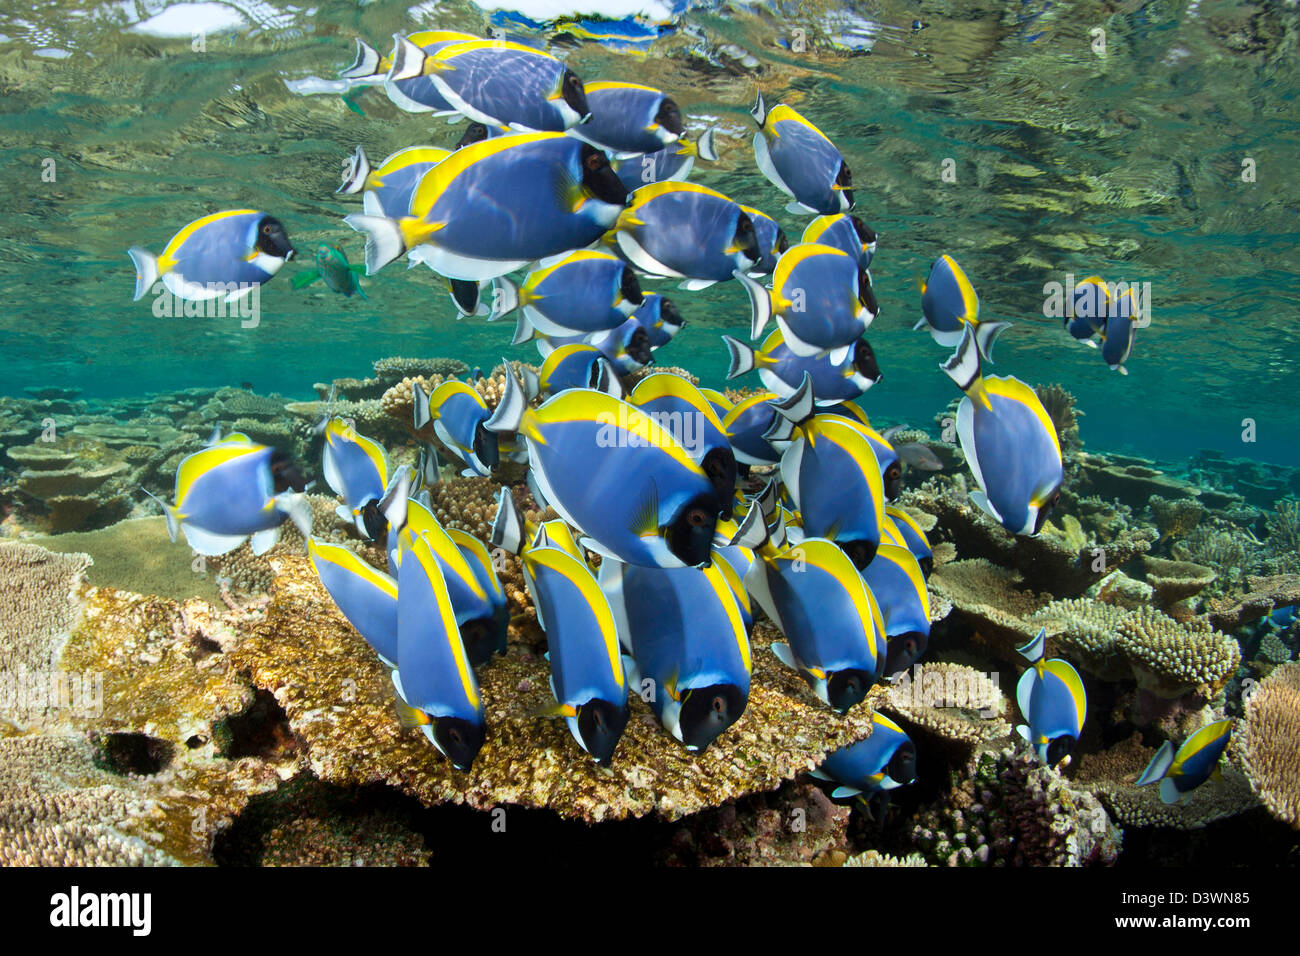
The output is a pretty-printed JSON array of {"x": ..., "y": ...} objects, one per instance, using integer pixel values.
[{"x": 1127, "y": 163}]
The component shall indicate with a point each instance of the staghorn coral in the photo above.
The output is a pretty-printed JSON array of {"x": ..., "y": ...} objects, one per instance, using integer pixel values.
[
  {"x": 1010, "y": 810},
  {"x": 1169, "y": 658},
  {"x": 1283, "y": 527},
  {"x": 1225, "y": 548},
  {"x": 339, "y": 702},
  {"x": 1267, "y": 742}
]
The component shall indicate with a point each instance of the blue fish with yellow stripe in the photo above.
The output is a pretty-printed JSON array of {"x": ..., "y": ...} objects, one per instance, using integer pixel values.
[
  {"x": 492, "y": 207},
  {"x": 1009, "y": 441},
  {"x": 1052, "y": 699},
  {"x": 677, "y": 405},
  {"x": 587, "y": 676},
  {"x": 226, "y": 254},
  {"x": 835, "y": 635},
  {"x": 1111, "y": 315},
  {"x": 834, "y": 480},
  {"x": 498, "y": 83},
  {"x": 477, "y": 599},
  {"x": 686, "y": 635},
  {"x": 772, "y": 241},
  {"x": 1181, "y": 772},
  {"x": 746, "y": 423},
  {"x": 686, "y": 231},
  {"x": 822, "y": 300},
  {"x": 609, "y": 470},
  {"x": 366, "y": 596},
  {"x": 463, "y": 423},
  {"x": 629, "y": 118},
  {"x": 902, "y": 529},
  {"x": 357, "y": 470},
  {"x": 884, "y": 761},
  {"x": 434, "y": 680},
  {"x": 660, "y": 318},
  {"x": 388, "y": 187},
  {"x": 572, "y": 365},
  {"x": 847, "y": 233},
  {"x": 950, "y": 305},
  {"x": 782, "y": 371},
  {"x": 414, "y": 95},
  {"x": 671, "y": 163},
  {"x": 226, "y": 494},
  {"x": 898, "y": 586},
  {"x": 801, "y": 161},
  {"x": 582, "y": 292}
]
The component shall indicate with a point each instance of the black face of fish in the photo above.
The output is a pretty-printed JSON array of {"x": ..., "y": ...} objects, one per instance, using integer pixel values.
[
  {"x": 782, "y": 243},
  {"x": 847, "y": 688},
  {"x": 690, "y": 536},
  {"x": 599, "y": 177},
  {"x": 904, "y": 651},
  {"x": 859, "y": 552},
  {"x": 864, "y": 361},
  {"x": 865, "y": 233},
  {"x": 373, "y": 519},
  {"x": 630, "y": 288},
  {"x": 600, "y": 724},
  {"x": 708, "y": 711},
  {"x": 638, "y": 347},
  {"x": 485, "y": 446},
  {"x": 272, "y": 239},
  {"x": 670, "y": 117},
  {"x": 480, "y": 638},
  {"x": 575, "y": 94},
  {"x": 902, "y": 766},
  {"x": 893, "y": 478},
  {"x": 669, "y": 314},
  {"x": 474, "y": 133},
  {"x": 458, "y": 739},
  {"x": 927, "y": 565},
  {"x": 1046, "y": 509},
  {"x": 866, "y": 295},
  {"x": 1059, "y": 749},
  {"x": 845, "y": 181},
  {"x": 720, "y": 465},
  {"x": 746, "y": 239},
  {"x": 285, "y": 474}
]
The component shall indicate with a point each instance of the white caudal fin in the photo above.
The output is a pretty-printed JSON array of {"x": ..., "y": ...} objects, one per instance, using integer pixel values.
[
  {"x": 795, "y": 410},
  {"x": 1159, "y": 765},
  {"x": 393, "y": 505},
  {"x": 419, "y": 406},
  {"x": 742, "y": 357},
  {"x": 356, "y": 169},
  {"x": 985, "y": 335},
  {"x": 510, "y": 409},
  {"x": 146, "y": 270},
  {"x": 964, "y": 366},
  {"x": 173, "y": 523},
  {"x": 408, "y": 60},
  {"x": 508, "y": 526},
  {"x": 365, "y": 64},
  {"x": 296, "y": 505},
  {"x": 384, "y": 241},
  {"x": 604, "y": 378},
  {"x": 505, "y": 297},
  {"x": 1033, "y": 651},
  {"x": 707, "y": 146},
  {"x": 759, "y": 111},
  {"x": 760, "y": 304}
]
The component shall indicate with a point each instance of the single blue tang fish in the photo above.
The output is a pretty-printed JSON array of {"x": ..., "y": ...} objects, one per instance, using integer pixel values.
[
  {"x": 898, "y": 586},
  {"x": 1052, "y": 699},
  {"x": 884, "y": 761},
  {"x": 801, "y": 161},
  {"x": 1195, "y": 762},
  {"x": 949, "y": 306},
  {"x": 226, "y": 254}
]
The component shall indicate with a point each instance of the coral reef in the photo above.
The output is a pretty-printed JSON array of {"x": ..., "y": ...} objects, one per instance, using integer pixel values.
[
  {"x": 1009, "y": 810},
  {"x": 1267, "y": 742}
]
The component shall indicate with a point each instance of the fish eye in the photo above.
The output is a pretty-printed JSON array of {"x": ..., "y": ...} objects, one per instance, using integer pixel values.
[
  {"x": 594, "y": 161},
  {"x": 893, "y": 472},
  {"x": 267, "y": 229},
  {"x": 851, "y": 685},
  {"x": 697, "y": 517},
  {"x": 719, "y": 705},
  {"x": 455, "y": 736}
]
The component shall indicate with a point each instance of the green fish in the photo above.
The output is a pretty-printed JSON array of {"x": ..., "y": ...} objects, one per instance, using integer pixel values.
[{"x": 332, "y": 266}]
